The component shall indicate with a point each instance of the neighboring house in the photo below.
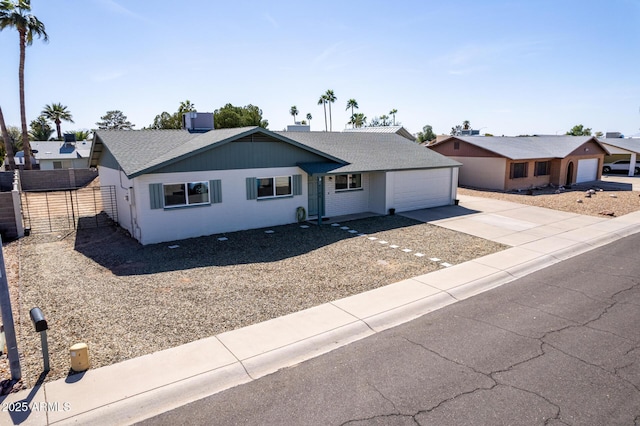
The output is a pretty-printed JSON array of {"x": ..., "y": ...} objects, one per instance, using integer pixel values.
[
  {"x": 398, "y": 130},
  {"x": 54, "y": 155},
  {"x": 508, "y": 163},
  {"x": 173, "y": 184},
  {"x": 623, "y": 149}
]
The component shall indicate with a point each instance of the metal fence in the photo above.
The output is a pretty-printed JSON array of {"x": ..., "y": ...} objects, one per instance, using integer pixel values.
[{"x": 69, "y": 209}]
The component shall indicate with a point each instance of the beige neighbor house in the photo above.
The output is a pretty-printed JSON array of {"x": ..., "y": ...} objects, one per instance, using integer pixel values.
[{"x": 512, "y": 163}]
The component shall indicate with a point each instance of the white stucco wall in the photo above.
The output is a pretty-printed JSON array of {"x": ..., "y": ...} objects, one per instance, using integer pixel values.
[
  {"x": 482, "y": 172},
  {"x": 234, "y": 213},
  {"x": 121, "y": 184}
]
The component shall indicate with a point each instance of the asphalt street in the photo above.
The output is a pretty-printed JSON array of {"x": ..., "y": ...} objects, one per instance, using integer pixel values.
[{"x": 559, "y": 346}]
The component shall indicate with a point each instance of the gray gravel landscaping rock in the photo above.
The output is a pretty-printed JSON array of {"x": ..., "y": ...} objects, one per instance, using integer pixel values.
[{"x": 100, "y": 287}]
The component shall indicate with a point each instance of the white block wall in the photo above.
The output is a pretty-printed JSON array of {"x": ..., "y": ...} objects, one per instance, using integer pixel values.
[{"x": 346, "y": 201}]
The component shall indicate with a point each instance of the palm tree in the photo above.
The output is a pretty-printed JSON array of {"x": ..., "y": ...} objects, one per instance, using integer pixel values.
[
  {"x": 323, "y": 101},
  {"x": 8, "y": 146},
  {"x": 56, "y": 112},
  {"x": 393, "y": 112},
  {"x": 466, "y": 125},
  {"x": 331, "y": 98},
  {"x": 358, "y": 120},
  {"x": 352, "y": 103},
  {"x": 384, "y": 119},
  {"x": 17, "y": 15},
  {"x": 309, "y": 117},
  {"x": 294, "y": 111}
]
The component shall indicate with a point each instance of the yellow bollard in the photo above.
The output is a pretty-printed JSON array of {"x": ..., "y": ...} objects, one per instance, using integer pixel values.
[{"x": 79, "y": 357}]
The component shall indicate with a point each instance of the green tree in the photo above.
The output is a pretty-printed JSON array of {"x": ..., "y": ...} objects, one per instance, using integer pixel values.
[
  {"x": 16, "y": 15},
  {"x": 56, "y": 112},
  {"x": 393, "y": 112},
  {"x": 230, "y": 116},
  {"x": 7, "y": 145},
  {"x": 384, "y": 120},
  {"x": 14, "y": 136},
  {"x": 353, "y": 104},
  {"x": 81, "y": 135},
  {"x": 166, "y": 120},
  {"x": 375, "y": 122},
  {"x": 331, "y": 98},
  {"x": 114, "y": 120},
  {"x": 426, "y": 135},
  {"x": 323, "y": 101},
  {"x": 598, "y": 134},
  {"x": 466, "y": 125},
  {"x": 294, "y": 111},
  {"x": 579, "y": 130},
  {"x": 358, "y": 120},
  {"x": 309, "y": 117},
  {"x": 456, "y": 130},
  {"x": 40, "y": 129}
]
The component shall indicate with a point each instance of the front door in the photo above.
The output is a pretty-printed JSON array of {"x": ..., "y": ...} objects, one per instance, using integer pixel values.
[
  {"x": 569, "y": 173},
  {"x": 315, "y": 187}
]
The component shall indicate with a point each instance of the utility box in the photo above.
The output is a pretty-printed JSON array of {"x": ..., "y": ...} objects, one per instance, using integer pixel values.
[{"x": 79, "y": 357}]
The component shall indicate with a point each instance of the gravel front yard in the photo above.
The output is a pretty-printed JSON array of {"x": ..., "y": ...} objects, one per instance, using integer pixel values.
[
  {"x": 614, "y": 199},
  {"x": 125, "y": 300}
]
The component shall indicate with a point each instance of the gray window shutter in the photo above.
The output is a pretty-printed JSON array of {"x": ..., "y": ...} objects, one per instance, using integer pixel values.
[
  {"x": 215, "y": 191},
  {"x": 156, "y": 196},
  {"x": 252, "y": 188},
  {"x": 297, "y": 184}
]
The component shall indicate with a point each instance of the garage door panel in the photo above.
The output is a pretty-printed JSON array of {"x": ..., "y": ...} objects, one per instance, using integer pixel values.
[
  {"x": 587, "y": 170},
  {"x": 421, "y": 189}
]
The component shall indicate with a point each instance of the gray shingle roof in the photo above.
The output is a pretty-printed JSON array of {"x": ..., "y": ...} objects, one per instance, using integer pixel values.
[
  {"x": 632, "y": 145},
  {"x": 372, "y": 151},
  {"x": 528, "y": 147},
  {"x": 142, "y": 151}
]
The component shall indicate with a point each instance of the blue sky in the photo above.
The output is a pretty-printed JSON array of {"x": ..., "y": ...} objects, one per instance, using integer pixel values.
[{"x": 509, "y": 67}]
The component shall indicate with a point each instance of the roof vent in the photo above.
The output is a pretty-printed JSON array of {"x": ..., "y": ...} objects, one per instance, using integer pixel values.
[{"x": 197, "y": 122}]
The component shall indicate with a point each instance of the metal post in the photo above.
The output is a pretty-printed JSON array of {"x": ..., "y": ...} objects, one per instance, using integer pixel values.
[
  {"x": 320, "y": 197},
  {"x": 45, "y": 349},
  {"x": 7, "y": 320}
]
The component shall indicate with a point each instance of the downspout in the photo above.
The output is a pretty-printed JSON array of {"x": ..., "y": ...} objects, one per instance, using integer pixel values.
[{"x": 131, "y": 210}]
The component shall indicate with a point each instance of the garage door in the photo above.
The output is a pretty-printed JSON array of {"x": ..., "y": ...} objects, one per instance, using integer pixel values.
[
  {"x": 420, "y": 189},
  {"x": 587, "y": 170}
]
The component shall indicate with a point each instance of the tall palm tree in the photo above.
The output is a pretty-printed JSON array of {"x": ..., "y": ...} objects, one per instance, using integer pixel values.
[
  {"x": 352, "y": 103},
  {"x": 323, "y": 101},
  {"x": 393, "y": 112},
  {"x": 331, "y": 98},
  {"x": 384, "y": 119},
  {"x": 56, "y": 112},
  {"x": 294, "y": 111},
  {"x": 309, "y": 117},
  {"x": 466, "y": 125},
  {"x": 8, "y": 146},
  {"x": 16, "y": 15}
]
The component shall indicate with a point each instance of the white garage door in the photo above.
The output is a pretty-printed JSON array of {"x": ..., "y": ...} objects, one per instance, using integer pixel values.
[
  {"x": 587, "y": 170},
  {"x": 420, "y": 189}
]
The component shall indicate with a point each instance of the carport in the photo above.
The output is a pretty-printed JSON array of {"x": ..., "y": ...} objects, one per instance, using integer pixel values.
[{"x": 620, "y": 146}]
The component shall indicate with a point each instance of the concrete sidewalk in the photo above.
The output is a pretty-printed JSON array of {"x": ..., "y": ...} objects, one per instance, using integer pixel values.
[{"x": 143, "y": 387}]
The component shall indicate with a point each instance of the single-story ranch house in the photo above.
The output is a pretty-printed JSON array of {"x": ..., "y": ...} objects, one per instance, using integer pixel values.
[
  {"x": 508, "y": 163},
  {"x": 176, "y": 184}
]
